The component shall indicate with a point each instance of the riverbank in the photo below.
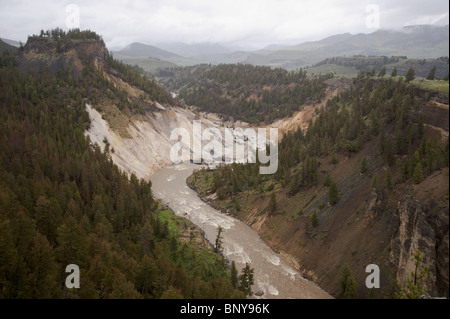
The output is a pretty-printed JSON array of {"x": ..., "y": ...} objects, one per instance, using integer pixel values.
[
  {"x": 211, "y": 200},
  {"x": 274, "y": 274}
]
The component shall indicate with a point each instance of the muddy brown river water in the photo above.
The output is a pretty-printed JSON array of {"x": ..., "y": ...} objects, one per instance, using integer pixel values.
[{"x": 273, "y": 273}]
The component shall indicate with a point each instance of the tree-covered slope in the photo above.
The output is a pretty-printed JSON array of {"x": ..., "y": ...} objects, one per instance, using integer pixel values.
[
  {"x": 245, "y": 92},
  {"x": 366, "y": 182},
  {"x": 63, "y": 201}
]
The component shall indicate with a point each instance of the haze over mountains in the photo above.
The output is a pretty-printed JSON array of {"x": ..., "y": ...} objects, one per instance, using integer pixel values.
[{"x": 420, "y": 41}]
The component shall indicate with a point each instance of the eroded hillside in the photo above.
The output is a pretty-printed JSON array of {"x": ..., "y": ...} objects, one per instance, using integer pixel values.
[
  {"x": 382, "y": 215},
  {"x": 383, "y": 146}
]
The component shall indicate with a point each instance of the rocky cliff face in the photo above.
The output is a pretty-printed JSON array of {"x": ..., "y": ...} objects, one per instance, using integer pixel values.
[
  {"x": 40, "y": 53},
  {"x": 427, "y": 232}
]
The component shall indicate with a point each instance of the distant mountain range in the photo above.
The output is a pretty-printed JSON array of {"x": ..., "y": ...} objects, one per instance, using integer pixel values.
[
  {"x": 150, "y": 57},
  {"x": 4, "y": 46},
  {"x": 11, "y": 42},
  {"x": 195, "y": 49},
  {"x": 420, "y": 41}
]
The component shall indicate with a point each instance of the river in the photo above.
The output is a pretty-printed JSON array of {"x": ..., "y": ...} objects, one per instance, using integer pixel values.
[{"x": 273, "y": 274}]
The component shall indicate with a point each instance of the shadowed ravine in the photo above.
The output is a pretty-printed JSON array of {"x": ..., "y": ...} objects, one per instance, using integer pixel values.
[{"x": 273, "y": 274}]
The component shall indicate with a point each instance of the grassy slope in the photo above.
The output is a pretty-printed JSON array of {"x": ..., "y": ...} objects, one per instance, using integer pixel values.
[{"x": 435, "y": 85}]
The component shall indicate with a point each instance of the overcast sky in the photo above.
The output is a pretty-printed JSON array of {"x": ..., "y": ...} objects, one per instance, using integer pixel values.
[{"x": 248, "y": 23}]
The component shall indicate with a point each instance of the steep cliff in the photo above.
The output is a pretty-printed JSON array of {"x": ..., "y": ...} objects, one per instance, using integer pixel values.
[
  {"x": 143, "y": 144},
  {"x": 47, "y": 53},
  {"x": 426, "y": 231},
  {"x": 129, "y": 112}
]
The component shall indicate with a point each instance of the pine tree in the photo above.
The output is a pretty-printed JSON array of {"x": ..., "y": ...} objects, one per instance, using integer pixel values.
[
  {"x": 234, "y": 275},
  {"x": 295, "y": 185},
  {"x": 420, "y": 127},
  {"x": 146, "y": 276},
  {"x": 235, "y": 183},
  {"x": 246, "y": 280},
  {"x": 314, "y": 219},
  {"x": 333, "y": 159},
  {"x": 394, "y": 72},
  {"x": 363, "y": 166},
  {"x": 333, "y": 194},
  {"x": 432, "y": 73},
  {"x": 218, "y": 245},
  {"x": 350, "y": 289},
  {"x": 347, "y": 283},
  {"x": 410, "y": 75},
  {"x": 418, "y": 173},
  {"x": 415, "y": 286},
  {"x": 388, "y": 151},
  {"x": 42, "y": 277},
  {"x": 328, "y": 180}
]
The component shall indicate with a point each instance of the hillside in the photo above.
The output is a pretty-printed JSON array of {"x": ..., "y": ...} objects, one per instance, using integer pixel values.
[
  {"x": 138, "y": 53},
  {"x": 416, "y": 42},
  {"x": 351, "y": 66},
  {"x": 144, "y": 50},
  {"x": 194, "y": 49},
  {"x": 6, "y": 47},
  {"x": 254, "y": 94},
  {"x": 64, "y": 201},
  {"x": 364, "y": 180}
]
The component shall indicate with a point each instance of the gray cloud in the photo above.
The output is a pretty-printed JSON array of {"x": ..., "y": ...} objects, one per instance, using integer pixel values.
[{"x": 244, "y": 22}]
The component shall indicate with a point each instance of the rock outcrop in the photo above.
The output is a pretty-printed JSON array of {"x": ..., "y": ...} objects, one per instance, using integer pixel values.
[
  {"x": 422, "y": 230},
  {"x": 40, "y": 53}
]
